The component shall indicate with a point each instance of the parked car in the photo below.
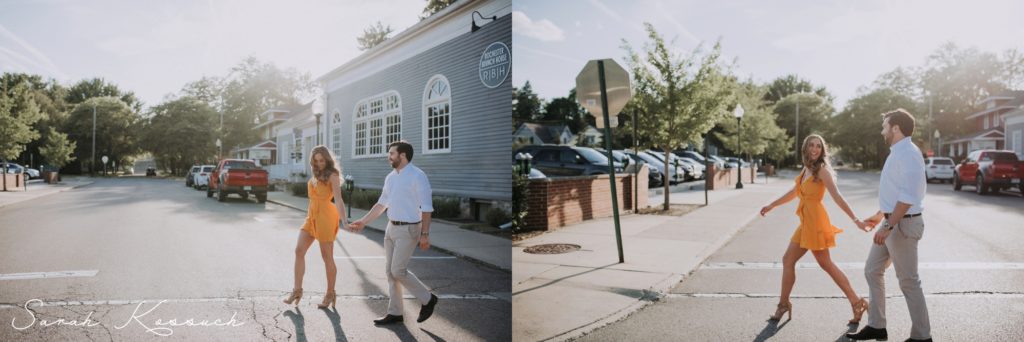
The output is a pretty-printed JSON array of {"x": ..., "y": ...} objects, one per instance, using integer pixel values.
[
  {"x": 938, "y": 168},
  {"x": 559, "y": 160},
  {"x": 202, "y": 179},
  {"x": 719, "y": 162},
  {"x": 675, "y": 174},
  {"x": 150, "y": 171},
  {"x": 689, "y": 171},
  {"x": 988, "y": 170},
  {"x": 536, "y": 174},
  {"x": 737, "y": 161},
  {"x": 17, "y": 168},
  {"x": 238, "y": 176},
  {"x": 654, "y": 178},
  {"x": 190, "y": 177}
]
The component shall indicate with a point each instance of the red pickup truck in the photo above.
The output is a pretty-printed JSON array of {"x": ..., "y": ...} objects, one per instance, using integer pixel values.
[
  {"x": 989, "y": 170},
  {"x": 238, "y": 176}
]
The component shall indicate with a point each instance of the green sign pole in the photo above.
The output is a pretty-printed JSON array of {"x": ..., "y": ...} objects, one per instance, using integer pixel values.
[{"x": 611, "y": 160}]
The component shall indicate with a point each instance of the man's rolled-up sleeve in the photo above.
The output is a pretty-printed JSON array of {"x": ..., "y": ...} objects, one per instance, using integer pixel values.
[
  {"x": 423, "y": 193},
  {"x": 912, "y": 182}
]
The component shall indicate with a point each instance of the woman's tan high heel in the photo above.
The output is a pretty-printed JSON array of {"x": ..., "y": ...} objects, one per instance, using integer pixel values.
[
  {"x": 296, "y": 296},
  {"x": 329, "y": 300},
  {"x": 782, "y": 309},
  {"x": 859, "y": 308}
]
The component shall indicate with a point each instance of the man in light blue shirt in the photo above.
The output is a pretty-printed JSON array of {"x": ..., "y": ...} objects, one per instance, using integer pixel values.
[
  {"x": 900, "y": 195},
  {"x": 407, "y": 198}
]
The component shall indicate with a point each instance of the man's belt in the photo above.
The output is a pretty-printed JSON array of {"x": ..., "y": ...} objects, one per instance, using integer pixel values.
[
  {"x": 904, "y": 216},
  {"x": 400, "y": 223}
]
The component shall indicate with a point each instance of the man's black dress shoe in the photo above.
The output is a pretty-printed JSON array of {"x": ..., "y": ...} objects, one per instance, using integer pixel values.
[
  {"x": 913, "y": 340},
  {"x": 869, "y": 333},
  {"x": 387, "y": 319},
  {"x": 428, "y": 309}
]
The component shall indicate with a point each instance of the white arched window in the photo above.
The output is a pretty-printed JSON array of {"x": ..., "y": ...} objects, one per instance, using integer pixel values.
[
  {"x": 437, "y": 115},
  {"x": 336, "y": 132},
  {"x": 377, "y": 122}
]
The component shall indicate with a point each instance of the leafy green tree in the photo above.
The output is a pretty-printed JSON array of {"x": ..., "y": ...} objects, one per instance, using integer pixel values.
[
  {"x": 18, "y": 113},
  {"x": 758, "y": 128},
  {"x": 813, "y": 117},
  {"x": 527, "y": 105},
  {"x": 373, "y": 35},
  {"x": 98, "y": 87},
  {"x": 857, "y": 129},
  {"x": 566, "y": 111},
  {"x": 58, "y": 150},
  {"x": 787, "y": 85},
  {"x": 676, "y": 99},
  {"x": 170, "y": 122},
  {"x": 117, "y": 132},
  {"x": 434, "y": 6}
]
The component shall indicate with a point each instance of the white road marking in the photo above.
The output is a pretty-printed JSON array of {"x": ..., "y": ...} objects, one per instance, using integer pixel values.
[
  {"x": 470, "y": 296},
  {"x": 257, "y": 219},
  {"x": 860, "y": 265},
  {"x": 42, "y": 275},
  {"x": 968, "y": 294},
  {"x": 382, "y": 257}
]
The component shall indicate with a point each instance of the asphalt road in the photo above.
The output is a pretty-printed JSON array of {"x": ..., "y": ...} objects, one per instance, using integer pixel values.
[
  {"x": 123, "y": 257},
  {"x": 972, "y": 272}
]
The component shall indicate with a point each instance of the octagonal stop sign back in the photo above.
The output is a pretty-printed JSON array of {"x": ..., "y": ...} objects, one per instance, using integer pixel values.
[{"x": 588, "y": 89}]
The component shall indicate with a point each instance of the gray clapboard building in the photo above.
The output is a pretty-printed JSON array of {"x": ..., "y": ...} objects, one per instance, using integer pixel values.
[{"x": 443, "y": 85}]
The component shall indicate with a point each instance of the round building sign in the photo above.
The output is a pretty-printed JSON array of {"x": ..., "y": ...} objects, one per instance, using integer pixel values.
[{"x": 495, "y": 63}]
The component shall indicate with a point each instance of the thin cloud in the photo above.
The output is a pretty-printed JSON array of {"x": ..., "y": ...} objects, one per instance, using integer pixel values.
[
  {"x": 543, "y": 30},
  {"x": 30, "y": 59},
  {"x": 576, "y": 61}
]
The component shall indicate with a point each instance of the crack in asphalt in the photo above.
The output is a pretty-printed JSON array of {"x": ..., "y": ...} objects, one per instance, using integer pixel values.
[{"x": 276, "y": 322}]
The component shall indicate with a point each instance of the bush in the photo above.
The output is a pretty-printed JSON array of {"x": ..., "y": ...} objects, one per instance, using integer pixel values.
[
  {"x": 520, "y": 205},
  {"x": 361, "y": 198},
  {"x": 446, "y": 208},
  {"x": 496, "y": 217},
  {"x": 299, "y": 189}
]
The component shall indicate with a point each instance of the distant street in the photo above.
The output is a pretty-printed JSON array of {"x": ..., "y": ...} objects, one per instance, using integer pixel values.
[{"x": 113, "y": 250}]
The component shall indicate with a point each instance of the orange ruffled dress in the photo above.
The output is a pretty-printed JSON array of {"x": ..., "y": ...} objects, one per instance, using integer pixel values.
[
  {"x": 322, "y": 217},
  {"x": 816, "y": 231}
]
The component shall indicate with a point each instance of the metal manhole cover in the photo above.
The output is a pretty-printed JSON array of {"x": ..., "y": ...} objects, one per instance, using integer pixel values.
[{"x": 552, "y": 248}]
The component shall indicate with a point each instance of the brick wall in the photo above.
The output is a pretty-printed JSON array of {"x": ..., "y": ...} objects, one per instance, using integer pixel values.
[
  {"x": 563, "y": 201},
  {"x": 726, "y": 178}
]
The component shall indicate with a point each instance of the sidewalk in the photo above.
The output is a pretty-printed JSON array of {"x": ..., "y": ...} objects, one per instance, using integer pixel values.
[
  {"x": 445, "y": 236},
  {"x": 564, "y": 296},
  {"x": 38, "y": 189}
]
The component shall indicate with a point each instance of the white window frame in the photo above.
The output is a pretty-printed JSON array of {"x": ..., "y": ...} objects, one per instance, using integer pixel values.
[
  {"x": 1016, "y": 142},
  {"x": 427, "y": 104},
  {"x": 986, "y": 122},
  {"x": 377, "y": 109},
  {"x": 335, "y": 128}
]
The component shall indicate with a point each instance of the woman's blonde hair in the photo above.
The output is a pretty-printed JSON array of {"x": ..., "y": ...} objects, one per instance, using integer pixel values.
[
  {"x": 330, "y": 166},
  {"x": 823, "y": 159}
]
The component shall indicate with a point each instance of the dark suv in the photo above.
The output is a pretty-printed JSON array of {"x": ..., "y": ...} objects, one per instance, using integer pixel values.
[{"x": 560, "y": 160}]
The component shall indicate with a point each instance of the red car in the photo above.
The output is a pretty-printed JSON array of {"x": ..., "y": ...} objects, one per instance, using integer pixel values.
[
  {"x": 989, "y": 170},
  {"x": 238, "y": 176}
]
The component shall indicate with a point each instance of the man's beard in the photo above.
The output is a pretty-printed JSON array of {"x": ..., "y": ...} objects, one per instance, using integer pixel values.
[{"x": 394, "y": 165}]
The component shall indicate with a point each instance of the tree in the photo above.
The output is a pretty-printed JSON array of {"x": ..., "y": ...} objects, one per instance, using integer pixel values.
[
  {"x": 172, "y": 120},
  {"x": 18, "y": 112},
  {"x": 527, "y": 105},
  {"x": 857, "y": 129},
  {"x": 434, "y": 6},
  {"x": 47, "y": 100},
  {"x": 792, "y": 84},
  {"x": 117, "y": 131},
  {"x": 814, "y": 113},
  {"x": 566, "y": 111},
  {"x": 758, "y": 130},
  {"x": 373, "y": 35},
  {"x": 58, "y": 150},
  {"x": 676, "y": 99},
  {"x": 98, "y": 87}
]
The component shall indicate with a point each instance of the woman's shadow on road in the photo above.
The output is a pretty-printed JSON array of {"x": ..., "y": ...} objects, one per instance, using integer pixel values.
[{"x": 300, "y": 323}]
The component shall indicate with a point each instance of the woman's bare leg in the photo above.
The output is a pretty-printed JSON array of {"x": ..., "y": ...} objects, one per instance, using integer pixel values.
[
  {"x": 301, "y": 246},
  {"x": 793, "y": 253},
  {"x": 327, "y": 253},
  {"x": 825, "y": 261}
]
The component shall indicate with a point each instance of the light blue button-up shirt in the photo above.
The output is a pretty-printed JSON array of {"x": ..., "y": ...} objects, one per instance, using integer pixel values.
[{"x": 903, "y": 178}]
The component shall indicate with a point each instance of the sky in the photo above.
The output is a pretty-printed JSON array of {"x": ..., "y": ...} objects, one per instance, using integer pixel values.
[
  {"x": 154, "y": 48},
  {"x": 842, "y": 45}
]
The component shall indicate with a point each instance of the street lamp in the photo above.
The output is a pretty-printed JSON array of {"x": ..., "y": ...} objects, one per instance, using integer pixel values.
[
  {"x": 738, "y": 112},
  {"x": 219, "y": 152},
  {"x": 349, "y": 186},
  {"x": 318, "y": 110},
  {"x": 937, "y": 136}
]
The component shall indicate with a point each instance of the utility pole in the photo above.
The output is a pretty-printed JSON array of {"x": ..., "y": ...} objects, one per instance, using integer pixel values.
[{"x": 92, "y": 162}]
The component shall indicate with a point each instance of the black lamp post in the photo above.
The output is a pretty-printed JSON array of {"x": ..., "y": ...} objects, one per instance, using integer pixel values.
[
  {"x": 349, "y": 186},
  {"x": 738, "y": 112}
]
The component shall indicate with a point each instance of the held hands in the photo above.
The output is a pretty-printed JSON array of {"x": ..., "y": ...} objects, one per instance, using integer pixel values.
[{"x": 357, "y": 226}]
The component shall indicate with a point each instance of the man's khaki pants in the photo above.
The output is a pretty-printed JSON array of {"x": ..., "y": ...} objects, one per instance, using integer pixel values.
[
  {"x": 399, "y": 243},
  {"x": 900, "y": 250}
]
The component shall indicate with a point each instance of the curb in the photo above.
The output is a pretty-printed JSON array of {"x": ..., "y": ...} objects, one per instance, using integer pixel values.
[
  {"x": 432, "y": 246},
  {"x": 47, "y": 194}
]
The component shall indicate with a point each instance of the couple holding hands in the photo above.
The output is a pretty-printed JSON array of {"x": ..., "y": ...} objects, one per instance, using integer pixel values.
[
  {"x": 407, "y": 198},
  {"x": 900, "y": 195}
]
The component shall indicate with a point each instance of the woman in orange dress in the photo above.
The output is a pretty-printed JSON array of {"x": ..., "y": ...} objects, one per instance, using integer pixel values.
[
  {"x": 322, "y": 222},
  {"x": 816, "y": 232}
]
